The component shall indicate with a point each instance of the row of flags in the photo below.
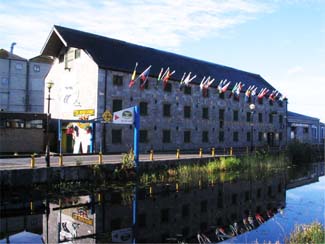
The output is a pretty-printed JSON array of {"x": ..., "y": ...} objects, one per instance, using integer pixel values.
[{"x": 206, "y": 82}]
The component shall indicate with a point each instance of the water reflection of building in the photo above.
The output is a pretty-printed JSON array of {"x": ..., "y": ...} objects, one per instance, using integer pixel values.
[
  {"x": 164, "y": 213},
  {"x": 167, "y": 213},
  {"x": 21, "y": 216}
]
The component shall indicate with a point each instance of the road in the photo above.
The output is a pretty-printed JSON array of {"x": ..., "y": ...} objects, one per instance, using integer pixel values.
[{"x": 72, "y": 160}]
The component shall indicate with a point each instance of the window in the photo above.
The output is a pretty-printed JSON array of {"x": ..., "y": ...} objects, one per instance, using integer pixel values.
[
  {"x": 305, "y": 130},
  {"x": 205, "y": 113},
  {"x": 187, "y": 112},
  {"x": 221, "y": 123},
  {"x": 19, "y": 66},
  {"x": 280, "y": 136},
  {"x": 36, "y": 68},
  {"x": 204, "y": 206},
  {"x": 61, "y": 58},
  {"x": 221, "y": 114},
  {"x": 222, "y": 95},
  {"x": 143, "y": 108},
  {"x": 248, "y": 116},
  {"x": 234, "y": 199},
  {"x": 248, "y": 136},
  {"x": 187, "y": 90},
  {"x": 280, "y": 119},
  {"x": 271, "y": 102},
  {"x": 259, "y": 193},
  {"x": 168, "y": 87},
  {"x": 117, "y": 80},
  {"x": 166, "y": 110},
  {"x": 221, "y": 136},
  {"x": 270, "y": 118},
  {"x": 185, "y": 210},
  {"x": 164, "y": 218},
  {"x": 143, "y": 136},
  {"x": 187, "y": 136},
  {"x": 260, "y": 117},
  {"x": 117, "y": 105},
  {"x": 141, "y": 220},
  {"x": 260, "y": 101},
  {"x": 260, "y": 136},
  {"x": 166, "y": 136},
  {"x": 116, "y": 136},
  {"x": 77, "y": 53},
  {"x": 235, "y": 136},
  {"x": 235, "y": 115},
  {"x": 205, "y": 136}
]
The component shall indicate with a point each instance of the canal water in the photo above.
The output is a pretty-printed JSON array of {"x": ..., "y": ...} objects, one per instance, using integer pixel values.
[{"x": 229, "y": 207}]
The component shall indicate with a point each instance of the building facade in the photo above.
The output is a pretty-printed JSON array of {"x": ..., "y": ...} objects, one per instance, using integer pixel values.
[
  {"x": 91, "y": 74},
  {"x": 22, "y": 82},
  {"x": 305, "y": 129}
]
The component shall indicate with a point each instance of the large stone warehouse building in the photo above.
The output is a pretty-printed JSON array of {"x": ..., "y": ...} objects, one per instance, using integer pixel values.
[{"x": 91, "y": 73}]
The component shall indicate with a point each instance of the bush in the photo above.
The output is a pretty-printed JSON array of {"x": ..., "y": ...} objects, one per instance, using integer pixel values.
[
  {"x": 228, "y": 163},
  {"x": 301, "y": 152},
  {"x": 313, "y": 233}
]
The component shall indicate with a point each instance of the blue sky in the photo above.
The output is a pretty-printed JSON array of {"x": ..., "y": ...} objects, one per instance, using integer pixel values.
[{"x": 283, "y": 41}]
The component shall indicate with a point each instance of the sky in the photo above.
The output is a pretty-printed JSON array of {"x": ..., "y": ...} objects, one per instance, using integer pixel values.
[{"x": 282, "y": 40}]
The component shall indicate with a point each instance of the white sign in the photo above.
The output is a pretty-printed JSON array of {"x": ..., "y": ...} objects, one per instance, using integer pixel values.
[
  {"x": 122, "y": 235},
  {"x": 125, "y": 116}
]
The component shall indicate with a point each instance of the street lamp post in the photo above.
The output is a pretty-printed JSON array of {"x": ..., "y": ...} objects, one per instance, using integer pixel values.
[
  {"x": 47, "y": 151},
  {"x": 252, "y": 108}
]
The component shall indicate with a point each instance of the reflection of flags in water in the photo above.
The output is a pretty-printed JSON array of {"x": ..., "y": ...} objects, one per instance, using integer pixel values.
[
  {"x": 132, "y": 81},
  {"x": 144, "y": 77}
]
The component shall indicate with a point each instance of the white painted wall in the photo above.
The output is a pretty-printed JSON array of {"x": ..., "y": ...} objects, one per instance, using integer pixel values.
[{"x": 74, "y": 89}]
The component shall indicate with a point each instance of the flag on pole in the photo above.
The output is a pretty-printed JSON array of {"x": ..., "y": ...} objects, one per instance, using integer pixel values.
[
  {"x": 159, "y": 77},
  {"x": 186, "y": 81},
  {"x": 144, "y": 77},
  {"x": 233, "y": 90},
  {"x": 166, "y": 76},
  {"x": 132, "y": 81}
]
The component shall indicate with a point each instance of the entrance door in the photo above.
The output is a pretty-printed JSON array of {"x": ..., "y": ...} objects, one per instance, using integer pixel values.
[{"x": 270, "y": 139}]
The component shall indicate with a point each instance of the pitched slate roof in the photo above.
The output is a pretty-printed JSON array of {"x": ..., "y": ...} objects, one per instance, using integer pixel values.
[
  {"x": 5, "y": 55},
  {"x": 119, "y": 55},
  {"x": 296, "y": 116}
]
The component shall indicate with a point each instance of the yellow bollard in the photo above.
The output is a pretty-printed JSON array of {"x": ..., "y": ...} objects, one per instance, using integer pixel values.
[
  {"x": 100, "y": 158},
  {"x": 200, "y": 153},
  {"x": 32, "y": 161},
  {"x": 177, "y": 187},
  {"x": 31, "y": 206},
  {"x": 60, "y": 160},
  {"x": 230, "y": 152},
  {"x": 99, "y": 198},
  {"x": 213, "y": 152},
  {"x": 200, "y": 184},
  {"x": 150, "y": 190},
  {"x": 177, "y": 154},
  {"x": 151, "y": 155}
]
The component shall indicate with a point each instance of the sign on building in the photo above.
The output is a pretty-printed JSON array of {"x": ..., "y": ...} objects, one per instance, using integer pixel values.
[{"x": 125, "y": 116}]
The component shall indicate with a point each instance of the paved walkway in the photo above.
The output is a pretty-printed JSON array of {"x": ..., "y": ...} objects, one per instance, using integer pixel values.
[{"x": 72, "y": 160}]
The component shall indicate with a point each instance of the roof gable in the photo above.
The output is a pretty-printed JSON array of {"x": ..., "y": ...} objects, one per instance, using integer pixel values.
[{"x": 119, "y": 55}]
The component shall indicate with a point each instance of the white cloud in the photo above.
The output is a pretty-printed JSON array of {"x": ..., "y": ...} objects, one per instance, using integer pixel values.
[{"x": 164, "y": 24}]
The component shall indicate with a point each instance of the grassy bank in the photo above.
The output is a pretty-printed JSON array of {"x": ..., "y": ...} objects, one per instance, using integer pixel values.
[
  {"x": 222, "y": 169},
  {"x": 313, "y": 233}
]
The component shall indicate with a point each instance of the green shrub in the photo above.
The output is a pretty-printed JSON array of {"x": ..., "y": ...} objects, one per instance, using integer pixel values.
[
  {"x": 301, "y": 152},
  {"x": 313, "y": 233}
]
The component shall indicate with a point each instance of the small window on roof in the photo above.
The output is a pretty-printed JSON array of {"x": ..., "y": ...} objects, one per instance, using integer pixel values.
[{"x": 77, "y": 53}]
